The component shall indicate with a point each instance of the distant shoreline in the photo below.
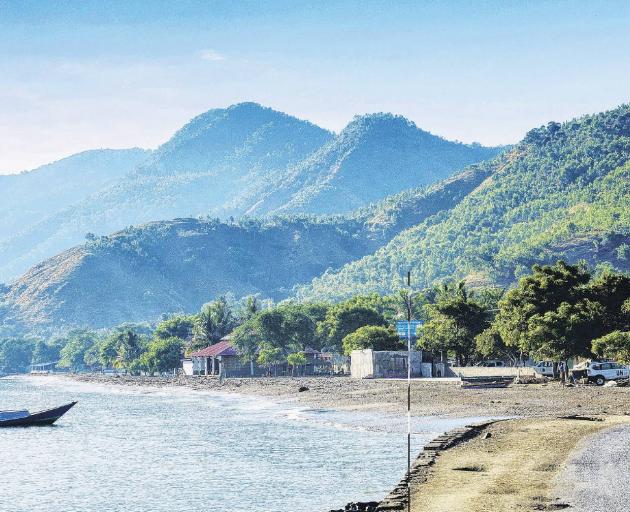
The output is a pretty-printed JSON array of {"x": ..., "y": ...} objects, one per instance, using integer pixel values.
[{"x": 429, "y": 398}]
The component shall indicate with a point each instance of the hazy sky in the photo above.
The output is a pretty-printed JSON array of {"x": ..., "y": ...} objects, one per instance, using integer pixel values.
[{"x": 80, "y": 75}]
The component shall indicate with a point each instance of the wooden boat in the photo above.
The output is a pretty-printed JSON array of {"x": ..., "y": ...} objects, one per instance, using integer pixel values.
[
  {"x": 27, "y": 419},
  {"x": 486, "y": 382}
]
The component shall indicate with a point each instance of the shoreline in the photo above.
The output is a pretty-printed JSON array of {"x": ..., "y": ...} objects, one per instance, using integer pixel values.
[
  {"x": 511, "y": 466},
  {"x": 429, "y": 398}
]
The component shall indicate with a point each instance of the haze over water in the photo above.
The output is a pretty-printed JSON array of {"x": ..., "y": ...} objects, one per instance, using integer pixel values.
[{"x": 164, "y": 450}]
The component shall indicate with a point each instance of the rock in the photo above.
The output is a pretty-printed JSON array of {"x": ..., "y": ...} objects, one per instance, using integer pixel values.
[
  {"x": 301, "y": 389},
  {"x": 487, "y": 435}
]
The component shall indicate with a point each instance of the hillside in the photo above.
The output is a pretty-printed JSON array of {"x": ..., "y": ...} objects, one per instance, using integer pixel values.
[
  {"x": 374, "y": 156},
  {"x": 142, "y": 272},
  {"x": 244, "y": 159},
  {"x": 210, "y": 159},
  {"x": 31, "y": 196},
  {"x": 563, "y": 192}
]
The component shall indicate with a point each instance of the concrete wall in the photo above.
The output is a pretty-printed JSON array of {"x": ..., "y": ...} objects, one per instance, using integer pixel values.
[
  {"x": 369, "y": 364},
  {"x": 480, "y": 371}
]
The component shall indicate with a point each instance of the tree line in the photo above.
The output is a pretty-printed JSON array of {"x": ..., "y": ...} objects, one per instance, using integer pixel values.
[{"x": 556, "y": 312}]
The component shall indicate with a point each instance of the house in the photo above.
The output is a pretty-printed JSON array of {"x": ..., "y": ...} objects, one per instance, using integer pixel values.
[
  {"x": 374, "y": 364},
  {"x": 221, "y": 358}
]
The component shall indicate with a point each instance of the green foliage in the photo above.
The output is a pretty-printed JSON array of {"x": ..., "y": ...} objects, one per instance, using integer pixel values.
[
  {"x": 455, "y": 319},
  {"x": 614, "y": 345},
  {"x": 556, "y": 312},
  {"x": 375, "y": 337},
  {"x": 296, "y": 359},
  {"x": 179, "y": 326},
  {"x": 563, "y": 193},
  {"x": 162, "y": 355},
  {"x": 215, "y": 321},
  {"x": 15, "y": 354},
  {"x": 77, "y": 346},
  {"x": 346, "y": 317}
]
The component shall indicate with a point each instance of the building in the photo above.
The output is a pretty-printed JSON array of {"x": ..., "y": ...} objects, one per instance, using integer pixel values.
[
  {"x": 375, "y": 364},
  {"x": 220, "y": 359}
]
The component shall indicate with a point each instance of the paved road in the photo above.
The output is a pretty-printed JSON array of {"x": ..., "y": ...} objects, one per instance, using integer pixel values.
[{"x": 597, "y": 476}]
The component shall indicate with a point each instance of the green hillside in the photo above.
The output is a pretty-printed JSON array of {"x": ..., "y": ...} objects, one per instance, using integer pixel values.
[
  {"x": 564, "y": 191},
  {"x": 142, "y": 272}
]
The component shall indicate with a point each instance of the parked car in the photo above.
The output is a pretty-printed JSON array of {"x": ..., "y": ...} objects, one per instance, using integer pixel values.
[
  {"x": 600, "y": 371},
  {"x": 544, "y": 368},
  {"x": 491, "y": 363}
]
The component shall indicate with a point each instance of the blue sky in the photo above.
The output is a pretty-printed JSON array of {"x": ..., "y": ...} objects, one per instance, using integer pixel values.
[{"x": 80, "y": 75}]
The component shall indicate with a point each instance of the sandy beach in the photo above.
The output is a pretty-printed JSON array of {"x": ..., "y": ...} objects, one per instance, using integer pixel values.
[{"x": 429, "y": 398}]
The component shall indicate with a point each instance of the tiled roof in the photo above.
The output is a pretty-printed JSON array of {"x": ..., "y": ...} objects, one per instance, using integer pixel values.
[{"x": 223, "y": 348}]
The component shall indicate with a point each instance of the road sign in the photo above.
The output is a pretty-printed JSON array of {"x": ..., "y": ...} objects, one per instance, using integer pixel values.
[{"x": 402, "y": 327}]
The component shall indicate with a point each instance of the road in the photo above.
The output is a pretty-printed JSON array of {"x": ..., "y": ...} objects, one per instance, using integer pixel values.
[{"x": 596, "y": 475}]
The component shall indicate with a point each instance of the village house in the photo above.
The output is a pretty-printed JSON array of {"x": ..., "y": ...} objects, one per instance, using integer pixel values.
[{"x": 221, "y": 359}]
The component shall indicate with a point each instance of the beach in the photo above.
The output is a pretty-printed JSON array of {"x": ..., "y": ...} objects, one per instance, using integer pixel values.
[{"x": 428, "y": 397}]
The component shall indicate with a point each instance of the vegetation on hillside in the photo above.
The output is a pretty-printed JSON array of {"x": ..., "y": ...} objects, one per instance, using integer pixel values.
[{"x": 563, "y": 192}]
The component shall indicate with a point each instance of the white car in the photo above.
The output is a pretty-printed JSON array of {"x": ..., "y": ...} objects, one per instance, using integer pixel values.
[
  {"x": 600, "y": 371},
  {"x": 544, "y": 368}
]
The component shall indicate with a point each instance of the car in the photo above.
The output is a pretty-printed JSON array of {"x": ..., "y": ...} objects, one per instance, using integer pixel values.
[
  {"x": 544, "y": 368},
  {"x": 491, "y": 363},
  {"x": 600, "y": 371}
]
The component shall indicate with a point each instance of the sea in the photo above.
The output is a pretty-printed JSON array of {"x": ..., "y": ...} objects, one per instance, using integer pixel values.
[{"x": 174, "y": 449}]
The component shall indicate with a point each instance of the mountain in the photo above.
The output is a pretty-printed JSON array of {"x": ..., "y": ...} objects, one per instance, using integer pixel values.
[
  {"x": 206, "y": 164},
  {"x": 143, "y": 272},
  {"x": 242, "y": 160},
  {"x": 374, "y": 156},
  {"x": 31, "y": 196},
  {"x": 563, "y": 192}
]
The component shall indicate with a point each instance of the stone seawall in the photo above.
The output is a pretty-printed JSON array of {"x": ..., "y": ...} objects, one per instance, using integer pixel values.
[{"x": 396, "y": 500}]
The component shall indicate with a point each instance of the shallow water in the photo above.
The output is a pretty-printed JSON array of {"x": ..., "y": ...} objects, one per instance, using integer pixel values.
[{"x": 176, "y": 449}]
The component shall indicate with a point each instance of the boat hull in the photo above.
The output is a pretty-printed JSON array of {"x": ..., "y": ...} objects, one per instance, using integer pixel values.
[{"x": 40, "y": 418}]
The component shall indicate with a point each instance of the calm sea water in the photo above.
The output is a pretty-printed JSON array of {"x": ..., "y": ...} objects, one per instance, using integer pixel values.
[{"x": 124, "y": 449}]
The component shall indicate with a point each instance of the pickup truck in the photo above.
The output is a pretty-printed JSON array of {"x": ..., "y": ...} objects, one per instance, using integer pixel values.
[{"x": 600, "y": 371}]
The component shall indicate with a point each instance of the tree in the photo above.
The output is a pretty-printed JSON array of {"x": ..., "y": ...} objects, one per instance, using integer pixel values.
[
  {"x": 269, "y": 356},
  {"x": 489, "y": 343},
  {"x": 129, "y": 347},
  {"x": 375, "y": 337},
  {"x": 213, "y": 322},
  {"x": 47, "y": 351},
  {"x": 544, "y": 291},
  {"x": 614, "y": 345},
  {"x": 162, "y": 355},
  {"x": 73, "y": 353},
  {"x": 180, "y": 326},
  {"x": 15, "y": 354},
  {"x": 454, "y": 321},
  {"x": 345, "y": 318},
  {"x": 296, "y": 359}
]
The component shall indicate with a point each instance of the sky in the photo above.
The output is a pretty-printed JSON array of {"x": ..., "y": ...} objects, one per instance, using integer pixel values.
[{"x": 77, "y": 75}]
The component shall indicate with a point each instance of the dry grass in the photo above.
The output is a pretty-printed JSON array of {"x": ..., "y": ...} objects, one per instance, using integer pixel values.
[{"x": 513, "y": 470}]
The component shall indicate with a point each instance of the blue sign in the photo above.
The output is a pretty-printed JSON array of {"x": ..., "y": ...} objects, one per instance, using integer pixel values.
[{"x": 403, "y": 327}]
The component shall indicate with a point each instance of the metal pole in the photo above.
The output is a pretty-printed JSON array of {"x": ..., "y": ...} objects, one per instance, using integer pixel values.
[{"x": 409, "y": 393}]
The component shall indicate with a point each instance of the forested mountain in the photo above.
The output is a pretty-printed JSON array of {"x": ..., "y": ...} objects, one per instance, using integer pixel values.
[
  {"x": 143, "y": 272},
  {"x": 563, "y": 192},
  {"x": 374, "y": 156},
  {"x": 228, "y": 162}
]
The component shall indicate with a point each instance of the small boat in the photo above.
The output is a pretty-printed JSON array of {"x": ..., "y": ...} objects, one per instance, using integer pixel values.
[{"x": 27, "y": 419}]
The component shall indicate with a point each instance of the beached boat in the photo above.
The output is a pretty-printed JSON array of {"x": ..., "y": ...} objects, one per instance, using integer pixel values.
[{"x": 27, "y": 419}]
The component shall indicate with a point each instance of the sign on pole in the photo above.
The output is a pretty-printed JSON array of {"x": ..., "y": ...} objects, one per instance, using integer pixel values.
[{"x": 403, "y": 327}]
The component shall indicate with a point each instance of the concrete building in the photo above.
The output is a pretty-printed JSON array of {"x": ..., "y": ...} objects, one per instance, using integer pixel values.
[{"x": 371, "y": 364}]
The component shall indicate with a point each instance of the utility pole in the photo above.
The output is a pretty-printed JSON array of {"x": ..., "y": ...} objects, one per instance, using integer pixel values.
[{"x": 409, "y": 393}]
